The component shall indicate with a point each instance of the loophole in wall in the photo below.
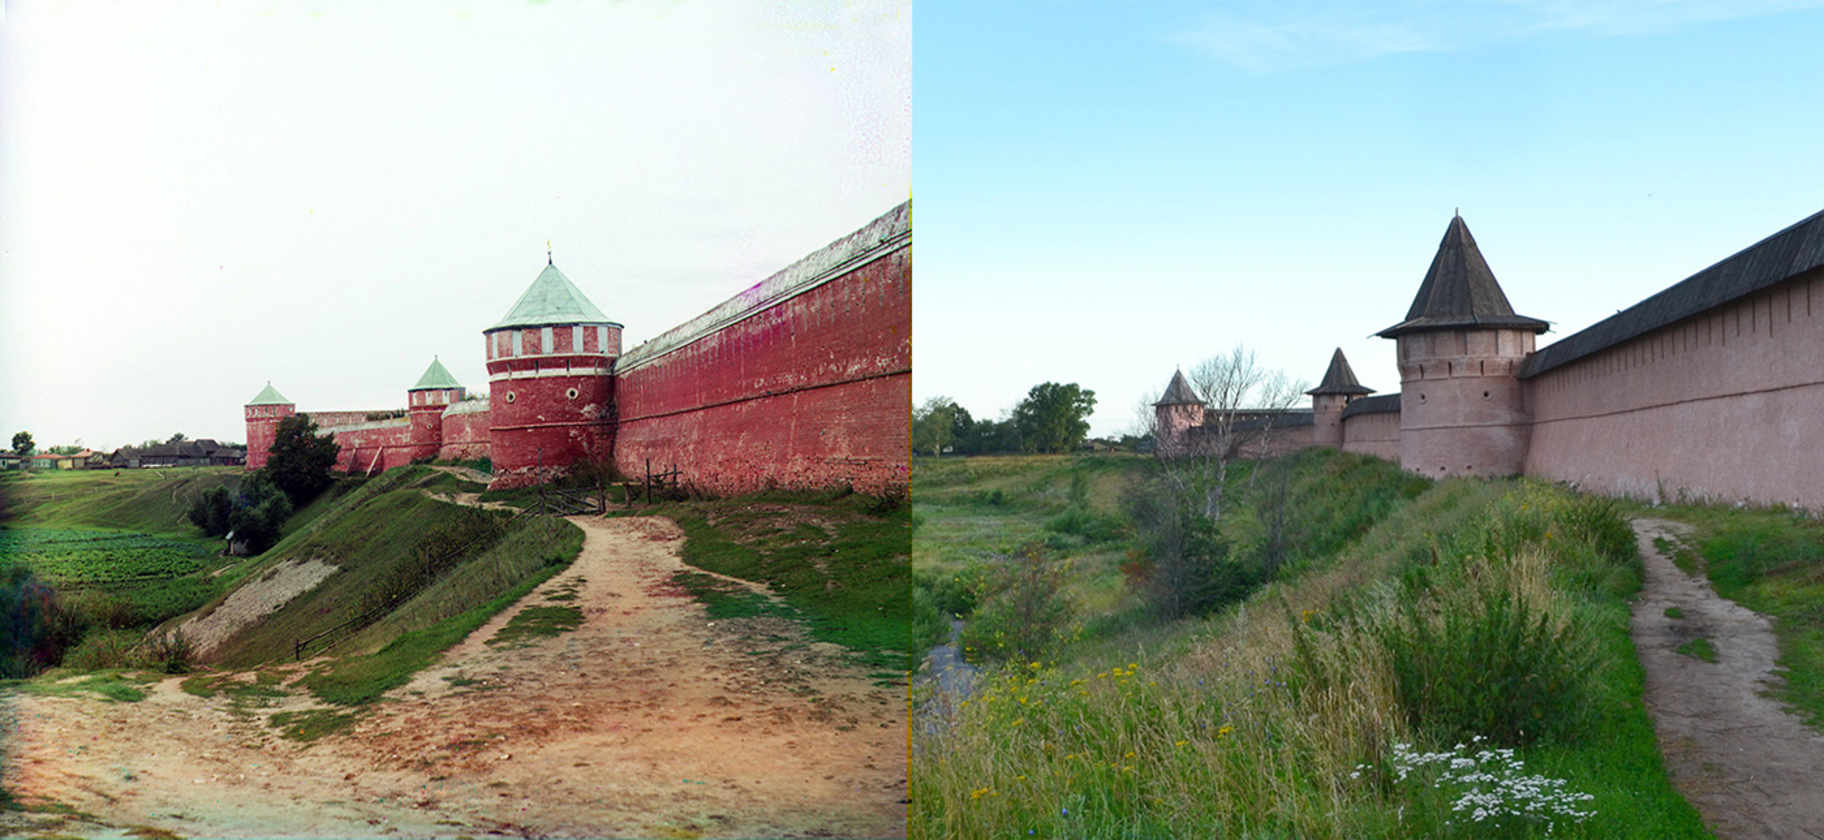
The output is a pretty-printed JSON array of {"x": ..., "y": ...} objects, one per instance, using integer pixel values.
[
  {"x": 570, "y": 393},
  {"x": 510, "y": 396}
]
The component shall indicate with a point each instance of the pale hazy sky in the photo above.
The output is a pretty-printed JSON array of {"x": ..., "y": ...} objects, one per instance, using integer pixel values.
[
  {"x": 1107, "y": 191},
  {"x": 196, "y": 198}
]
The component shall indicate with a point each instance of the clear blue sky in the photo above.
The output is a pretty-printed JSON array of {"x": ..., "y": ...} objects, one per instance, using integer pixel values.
[{"x": 1105, "y": 193}]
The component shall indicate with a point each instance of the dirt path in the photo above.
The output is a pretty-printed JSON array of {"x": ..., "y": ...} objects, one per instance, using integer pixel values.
[
  {"x": 647, "y": 720},
  {"x": 1751, "y": 769}
]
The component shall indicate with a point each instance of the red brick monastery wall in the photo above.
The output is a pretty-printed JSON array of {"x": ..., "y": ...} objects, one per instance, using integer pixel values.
[
  {"x": 1376, "y": 434},
  {"x": 1728, "y": 404},
  {"x": 801, "y": 381},
  {"x": 465, "y": 431},
  {"x": 388, "y": 440}
]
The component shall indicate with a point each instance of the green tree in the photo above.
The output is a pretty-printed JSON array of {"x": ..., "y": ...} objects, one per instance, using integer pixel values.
[
  {"x": 934, "y": 425},
  {"x": 177, "y": 438},
  {"x": 261, "y": 511},
  {"x": 22, "y": 444},
  {"x": 212, "y": 510},
  {"x": 300, "y": 461},
  {"x": 1054, "y": 417}
]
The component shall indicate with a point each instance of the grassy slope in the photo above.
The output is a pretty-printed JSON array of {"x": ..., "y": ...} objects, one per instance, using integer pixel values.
[
  {"x": 1770, "y": 560},
  {"x": 149, "y": 501},
  {"x": 372, "y": 534},
  {"x": 1200, "y": 727},
  {"x": 966, "y": 509},
  {"x": 839, "y": 560}
]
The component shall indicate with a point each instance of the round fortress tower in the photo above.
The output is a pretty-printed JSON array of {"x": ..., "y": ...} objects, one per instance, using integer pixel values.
[
  {"x": 1176, "y": 413},
  {"x": 263, "y": 414},
  {"x": 1329, "y": 399},
  {"x": 436, "y": 390},
  {"x": 1462, "y": 411},
  {"x": 550, "y": 392}
]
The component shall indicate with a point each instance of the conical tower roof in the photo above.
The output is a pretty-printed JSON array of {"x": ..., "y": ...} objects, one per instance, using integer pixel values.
[
  {"x": 1460, "y": 291},
  {"x": 1179, "y": 392},
  {"x": 269, "y": 396},
  {"x": 552, "y": 299},
  {"x": 1339, "y": 379},
  {"x": 436, "y": 376}
]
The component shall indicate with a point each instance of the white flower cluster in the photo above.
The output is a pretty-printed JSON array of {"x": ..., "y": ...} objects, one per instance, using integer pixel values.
[{"x": 1491, "y": 784}]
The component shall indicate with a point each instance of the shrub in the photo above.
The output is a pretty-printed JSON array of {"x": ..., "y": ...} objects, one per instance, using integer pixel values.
[
  {"x": 211, "y": 511},
  {"x": 1487, "y": 662},
  {"x": 170, "y": 652},
  {"x": 35, "y": 627},
  {"x": 261, "y": 511},
  {"x": 1021, "y": 609}
]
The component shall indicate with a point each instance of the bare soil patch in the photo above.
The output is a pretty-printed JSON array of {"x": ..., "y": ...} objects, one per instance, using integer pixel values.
[
  {"x": 253, "y": 600},
  {"x": 1750, "y": 767},
  {"x": 646, "y": 720}
]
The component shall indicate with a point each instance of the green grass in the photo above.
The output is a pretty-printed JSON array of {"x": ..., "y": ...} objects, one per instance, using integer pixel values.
[
  {"x": 1250, "y": 723},
  {"x": 311, "y": 724},
  {"x": 154, "y": 501},
  {"x": 112, "y": 685},
  {"x": 1699, "y": 648},
  {"x": 726, "y": 599},
  {"x": 1770, "y": 560},
  {"x": 537, "y": 622},
  {"x": 1674, "y": 612},
  {"x": 839, "y": 560}
]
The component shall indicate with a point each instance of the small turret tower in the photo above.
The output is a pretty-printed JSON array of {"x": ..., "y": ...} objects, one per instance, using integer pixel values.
[
  {"x": 1461, "y": 408},
  {"x": 436, "y": 390},
  {"x": 550, "y": 392},
  {"x": 264, "y": 412},
  {"x": 1329, "y": 399},
  {"x": 1176, "y": 413}
]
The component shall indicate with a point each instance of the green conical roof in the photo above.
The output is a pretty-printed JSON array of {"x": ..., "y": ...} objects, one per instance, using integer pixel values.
[
  {"x": 436, "y": 376},
  {"x": 552, "y": 299},
  {"x": 270, "y": 396}
]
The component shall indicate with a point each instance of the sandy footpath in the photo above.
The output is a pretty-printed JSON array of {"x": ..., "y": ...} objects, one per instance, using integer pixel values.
[
  {"x": 1752, "y": 769},
  {"x": 647, "y": 720}
]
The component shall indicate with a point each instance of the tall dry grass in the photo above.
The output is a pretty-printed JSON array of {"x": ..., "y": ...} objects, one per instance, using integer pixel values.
[{"x": 1258, "y": 722}]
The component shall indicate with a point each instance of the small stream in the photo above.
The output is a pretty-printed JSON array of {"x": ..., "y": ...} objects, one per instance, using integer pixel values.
[{"x": 952, "y": 681}]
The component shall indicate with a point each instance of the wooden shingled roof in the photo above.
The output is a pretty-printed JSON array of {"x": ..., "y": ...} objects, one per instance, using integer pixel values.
[
  {"x": 1797, "y": 250},
  {"x": 1339, "y": 378},
  {"x": 1460, "y": 291},
  {"x": 1380, "y": 404},
  {"x": 1179, "y": 392}
]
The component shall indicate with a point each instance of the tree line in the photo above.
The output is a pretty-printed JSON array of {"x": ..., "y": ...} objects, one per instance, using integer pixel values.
[{"x": 1054, "y": 417}]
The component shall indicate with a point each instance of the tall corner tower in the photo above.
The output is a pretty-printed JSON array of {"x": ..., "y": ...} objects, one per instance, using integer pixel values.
[
  {"x": 436, "y": 390},
  {"x": 1462, "y": 411},
  {"x": 1176, "y": 413},
  {"x": 1329, "y": 399},
  {"x": 264, "y": 412},
  {"x": 551, "y": 393}
]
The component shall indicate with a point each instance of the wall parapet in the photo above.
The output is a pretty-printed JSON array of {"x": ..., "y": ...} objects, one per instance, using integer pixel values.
[
  {"x": 1791, "y": 252},
  {"x": 1378, "y": 404},
  {"x": 885, "y": 235},
  {"x": 397, "y": 423},
  {"x": 468, "y": 407}
]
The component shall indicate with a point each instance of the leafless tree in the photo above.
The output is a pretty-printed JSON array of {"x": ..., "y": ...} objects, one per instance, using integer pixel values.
[{"x": 1243, "y": 403}]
